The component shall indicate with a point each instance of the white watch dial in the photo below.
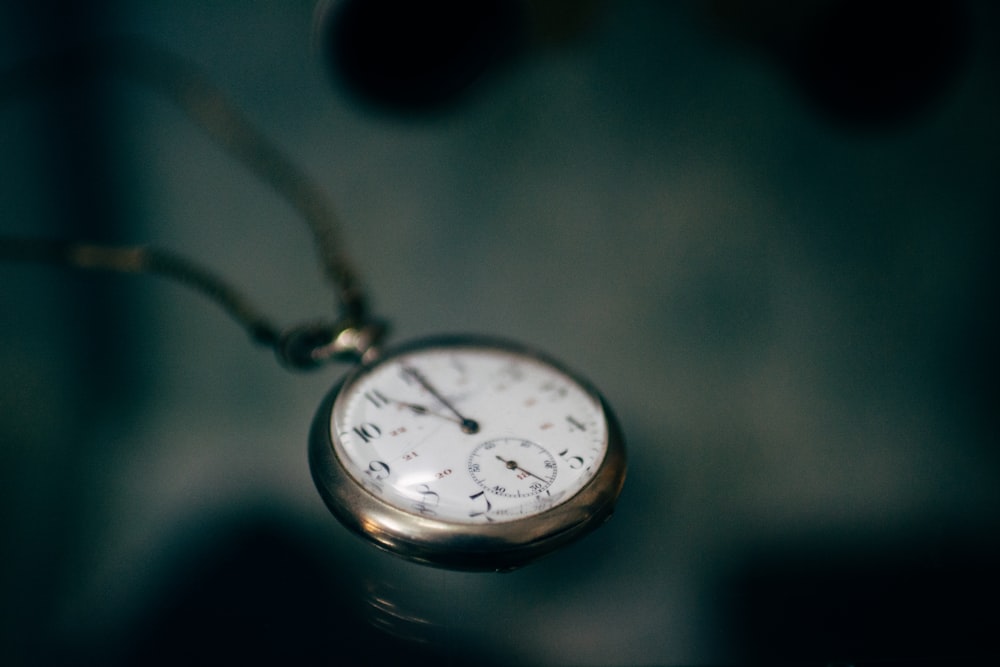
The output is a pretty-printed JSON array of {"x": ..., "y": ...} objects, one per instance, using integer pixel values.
[{"x": 469, "y": 434}]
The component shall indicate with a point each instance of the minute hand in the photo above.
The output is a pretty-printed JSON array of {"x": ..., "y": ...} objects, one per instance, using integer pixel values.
[{"x": 467, "y": 425}]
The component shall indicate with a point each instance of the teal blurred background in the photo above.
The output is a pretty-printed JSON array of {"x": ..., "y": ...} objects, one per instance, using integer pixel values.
[{"x": 767, "y": 231}]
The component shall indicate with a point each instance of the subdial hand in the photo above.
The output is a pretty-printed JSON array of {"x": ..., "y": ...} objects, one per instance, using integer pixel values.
[
  {"x": 467, "y": 425},
  {"x": 513, "y": 465}
]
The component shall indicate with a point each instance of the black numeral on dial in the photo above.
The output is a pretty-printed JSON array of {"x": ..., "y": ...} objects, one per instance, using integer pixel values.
[{"x": 367, "y": 431}]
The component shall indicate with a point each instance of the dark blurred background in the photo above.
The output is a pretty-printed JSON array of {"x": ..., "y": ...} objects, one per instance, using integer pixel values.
[{"x": 765, "y": 229}]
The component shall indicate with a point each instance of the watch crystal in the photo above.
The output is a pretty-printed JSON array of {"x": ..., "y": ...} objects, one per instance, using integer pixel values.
[{"x": 469, "y": 434}]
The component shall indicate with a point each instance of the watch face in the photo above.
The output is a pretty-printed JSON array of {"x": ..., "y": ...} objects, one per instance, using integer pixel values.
[{"x": 466, "y": 446}]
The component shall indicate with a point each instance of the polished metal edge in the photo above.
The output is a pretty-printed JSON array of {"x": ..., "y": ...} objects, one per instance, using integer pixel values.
[{"x": 482, "y": 547}]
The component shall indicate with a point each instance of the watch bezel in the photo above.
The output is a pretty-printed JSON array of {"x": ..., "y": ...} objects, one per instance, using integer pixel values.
[{"x": 496, "y": 546}]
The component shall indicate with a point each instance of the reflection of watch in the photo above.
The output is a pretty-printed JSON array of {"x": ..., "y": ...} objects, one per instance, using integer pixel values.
[{"x": 467, "y": 453}]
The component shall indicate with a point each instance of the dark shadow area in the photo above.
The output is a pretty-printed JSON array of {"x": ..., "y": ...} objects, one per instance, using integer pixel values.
[
  {"x": 260, "y": 593},
  {"x": 862, "y": 65},
  {"x": 909, "y": 600},
  {"x": 412, "y": 57},
  {"x": 876, "y": 64}
]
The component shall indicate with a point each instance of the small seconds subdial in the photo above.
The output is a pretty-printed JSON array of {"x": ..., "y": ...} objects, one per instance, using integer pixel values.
[{"x": 512, "y": 467}]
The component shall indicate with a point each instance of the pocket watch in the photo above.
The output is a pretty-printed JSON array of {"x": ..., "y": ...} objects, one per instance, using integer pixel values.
[
  {"x": 462, "y": 452},
  {"x": 469, "y": 453}
]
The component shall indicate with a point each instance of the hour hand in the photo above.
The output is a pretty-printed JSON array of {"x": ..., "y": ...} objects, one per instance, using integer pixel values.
[
  {"x": 378, "y": 399},
  {"x": 415, "y": 408},
  {"x": 418, "y": 409}
]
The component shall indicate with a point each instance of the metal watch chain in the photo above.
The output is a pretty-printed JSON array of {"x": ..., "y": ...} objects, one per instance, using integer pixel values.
[{"x": 353, "y": 336}]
